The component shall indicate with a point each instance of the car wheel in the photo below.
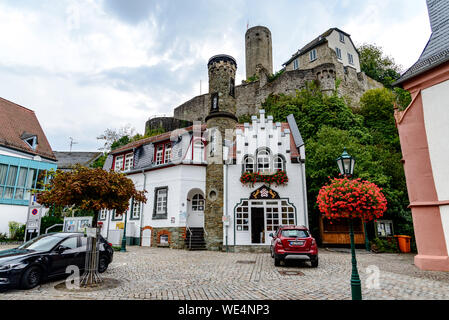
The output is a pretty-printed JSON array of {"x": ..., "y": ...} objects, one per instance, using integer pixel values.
[
  {"x": 277, "y": 262},
  {"x": 31, "y": 277},
  {"x": 102, "y": 264},
  {"x": 314, "y": 262}
]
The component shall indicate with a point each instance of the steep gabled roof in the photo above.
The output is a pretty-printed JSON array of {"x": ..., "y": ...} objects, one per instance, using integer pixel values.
[
  {"x": 436, "y": 51},
  {"x": 315, "y": 43},
  {"x": 17, "y": 124}
]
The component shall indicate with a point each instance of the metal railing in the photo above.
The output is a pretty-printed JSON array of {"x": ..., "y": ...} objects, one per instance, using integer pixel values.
[
  {"x": 190, "y": 238},
  {"x": 55, "y": 225}
]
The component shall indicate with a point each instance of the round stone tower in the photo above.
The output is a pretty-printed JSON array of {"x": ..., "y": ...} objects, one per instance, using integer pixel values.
[
  {"x": 221, "y": 116},
  {"x": 258, "y": 50}
]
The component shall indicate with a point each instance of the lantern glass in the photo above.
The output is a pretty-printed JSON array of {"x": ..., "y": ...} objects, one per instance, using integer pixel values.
[{"x": 346, "y": 164}]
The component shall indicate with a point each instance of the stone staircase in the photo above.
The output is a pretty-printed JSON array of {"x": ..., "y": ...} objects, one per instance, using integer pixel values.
[{"x": 195, "y": 241}]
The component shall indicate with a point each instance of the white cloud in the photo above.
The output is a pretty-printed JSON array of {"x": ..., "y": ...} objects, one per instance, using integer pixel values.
[{"x": 88, "y": 65}]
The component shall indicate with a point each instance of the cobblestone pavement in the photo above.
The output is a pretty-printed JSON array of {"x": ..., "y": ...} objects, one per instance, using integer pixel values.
[{"x": 159, "y": 273}]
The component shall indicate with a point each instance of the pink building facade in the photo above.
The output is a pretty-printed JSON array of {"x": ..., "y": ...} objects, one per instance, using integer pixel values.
[{"x": 424, "y": 132}]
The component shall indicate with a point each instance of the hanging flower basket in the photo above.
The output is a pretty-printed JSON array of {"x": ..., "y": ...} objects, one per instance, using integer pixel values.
[
  {"x": 250, "y": 178},
  {"x": 347, "y": 198}
]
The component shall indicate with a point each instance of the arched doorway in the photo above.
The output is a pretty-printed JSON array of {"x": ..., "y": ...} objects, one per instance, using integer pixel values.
[{"x": 195, "y": 209}]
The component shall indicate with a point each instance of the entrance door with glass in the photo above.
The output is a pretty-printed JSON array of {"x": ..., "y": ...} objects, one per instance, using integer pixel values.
[{"x": 195, "y": 218}]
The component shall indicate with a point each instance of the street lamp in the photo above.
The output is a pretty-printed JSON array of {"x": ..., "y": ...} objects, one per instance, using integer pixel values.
[{"x": 346, "y": 166}]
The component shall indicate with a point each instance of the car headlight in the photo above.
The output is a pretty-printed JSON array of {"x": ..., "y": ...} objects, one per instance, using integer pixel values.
[{"x": 10, "y": 266}]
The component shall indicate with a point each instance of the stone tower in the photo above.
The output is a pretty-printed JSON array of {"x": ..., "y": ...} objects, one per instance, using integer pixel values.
[
  {"x": 258, "y": 50},
  {"x": 221, "y": 116}
]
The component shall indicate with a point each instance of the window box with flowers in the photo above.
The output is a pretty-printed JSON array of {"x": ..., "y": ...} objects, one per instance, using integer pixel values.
[{"x": 250, "y": 178}]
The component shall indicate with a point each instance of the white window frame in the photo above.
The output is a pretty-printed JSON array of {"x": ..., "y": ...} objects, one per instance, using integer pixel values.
[
  {"x": 103, "y": 214},
  {"x": 116, "y": 167},
  {"x": 279, "y": 160},
  {"x": 167, "y": 153},
  {"x": 198, "y": 151},
  {"x": 342, "y": 37},
  {"x": 296, "y": 64},
  {"x": 248, "y": 164},
  {"x": 135, "y": 214},
  {"x": 129, "y": 161},
  {"x": 264, "y": 166},
  {"x": 161, "y": 201},
  {"x": 313, "y": 55},
  {"x": 350, "y": 59},
  {"x": 198, "y": 203},
  {"x": 338, "y": 52},
  {"x": 159, "y": 154}
]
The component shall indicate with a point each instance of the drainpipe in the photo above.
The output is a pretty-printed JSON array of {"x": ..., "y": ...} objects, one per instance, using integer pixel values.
[
  {"x": 142, "y": 205},
  {"x": 303, "y": 177},
  {"x": 225, "y": 204}
]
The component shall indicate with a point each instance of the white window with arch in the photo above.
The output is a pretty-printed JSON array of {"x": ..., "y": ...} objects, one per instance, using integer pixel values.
[
  {"x": 248, "y": 164},
  {"x": 279, "y": 163},
  {"x": 264, "y": 162},
  {"x": 198, "y": 202}
]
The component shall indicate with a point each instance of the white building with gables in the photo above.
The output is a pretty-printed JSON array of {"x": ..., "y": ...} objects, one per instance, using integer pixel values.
[{"x": 218, "y": 186}]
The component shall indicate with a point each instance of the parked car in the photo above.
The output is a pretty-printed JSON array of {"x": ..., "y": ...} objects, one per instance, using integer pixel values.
[
  {"x": 293, "y": 241},
  {"x": 48, "y": 256}
]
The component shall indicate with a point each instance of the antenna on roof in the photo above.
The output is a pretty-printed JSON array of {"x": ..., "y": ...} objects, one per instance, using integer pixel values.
[{"x": 72, "y": 143}]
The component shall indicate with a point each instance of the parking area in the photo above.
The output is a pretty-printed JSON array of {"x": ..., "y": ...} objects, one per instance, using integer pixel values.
[{"x": 161, "y": 273}]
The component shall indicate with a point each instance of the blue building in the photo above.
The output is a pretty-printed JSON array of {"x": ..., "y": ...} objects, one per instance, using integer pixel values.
[{"x": 25, "y": 157}]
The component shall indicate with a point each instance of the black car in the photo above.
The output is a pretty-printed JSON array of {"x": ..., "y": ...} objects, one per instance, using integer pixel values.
[{"x": 47, "y": 256}]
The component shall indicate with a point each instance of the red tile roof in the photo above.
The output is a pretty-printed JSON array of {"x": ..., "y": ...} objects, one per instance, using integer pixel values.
[{"x": 16, "y": 122}]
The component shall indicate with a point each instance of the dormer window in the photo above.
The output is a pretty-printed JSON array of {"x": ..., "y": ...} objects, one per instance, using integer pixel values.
[
  {"x": 118, "y": 163},
  {"x": 30, "y": 140},
  {"x": 163, "y": 153},
  {"x": 129, "y": 161}
]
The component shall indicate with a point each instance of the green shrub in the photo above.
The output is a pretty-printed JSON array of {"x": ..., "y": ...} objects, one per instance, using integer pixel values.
[
  {"x": 384, "y": 245},
  {"x": 20, "y": 234},
  {"x": 49, "y": 221},
  {"x": 3, "y": 237},
  {"x": 14, "y": 228}
]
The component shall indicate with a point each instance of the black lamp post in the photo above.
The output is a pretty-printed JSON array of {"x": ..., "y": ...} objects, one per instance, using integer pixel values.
[
  {"x": 346, "y": 166},
  {"x": 123, "y": 247}
]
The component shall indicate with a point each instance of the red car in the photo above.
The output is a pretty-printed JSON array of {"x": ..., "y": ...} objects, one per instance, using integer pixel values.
[{"x": 293, "y": 241}]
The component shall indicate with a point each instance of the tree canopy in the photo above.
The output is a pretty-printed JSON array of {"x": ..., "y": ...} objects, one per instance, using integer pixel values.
[
  {"x": 90, "y": 189},
  {"x": 327, "y": 125}
]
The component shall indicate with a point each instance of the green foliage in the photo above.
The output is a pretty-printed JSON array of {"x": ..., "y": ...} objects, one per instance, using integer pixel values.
[
  {"x": 120, "y": 142},
  {"x": 100, "y": 161},
  {"x": 276, "y": 75},
  {"x": 245, "y": 118},
  {"x": 378, "y": 66},
  {"x": 149, "y": 133},
  {"x": 15, "y": 230},
  {"x": 388, "y": 245},
  {"x": 327, "y": 125},
  {"x": 252, "y": 79},
  {"x": 48, "y": 221},
  {"x": 3, "y": 237},
  {"x": 403, "y": 98}
]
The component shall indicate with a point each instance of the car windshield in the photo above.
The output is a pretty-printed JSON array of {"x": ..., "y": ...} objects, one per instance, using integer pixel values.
[
  {"x": 42, "y": 243},
  {"x": 295, "y": 233}
]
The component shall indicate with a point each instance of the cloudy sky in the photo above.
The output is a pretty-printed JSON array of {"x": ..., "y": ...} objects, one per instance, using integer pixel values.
[{"x": 87, "y": 65}]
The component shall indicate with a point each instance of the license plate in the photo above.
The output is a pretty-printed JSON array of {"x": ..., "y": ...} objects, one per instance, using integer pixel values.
[{"x": 296, "y": 243}]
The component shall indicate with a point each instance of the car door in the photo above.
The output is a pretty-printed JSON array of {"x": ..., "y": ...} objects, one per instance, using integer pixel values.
[{"x": 62, "y": 256}]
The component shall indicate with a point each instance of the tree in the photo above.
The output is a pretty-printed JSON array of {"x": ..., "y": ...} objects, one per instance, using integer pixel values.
[
  {"x": 377, "y": 65},
  {"x": 327, "y": 125},
  {"x": 115, "y": 138},
  {"x": 90, "y": 189}
]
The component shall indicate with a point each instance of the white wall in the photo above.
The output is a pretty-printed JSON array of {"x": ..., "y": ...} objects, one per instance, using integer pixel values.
[
  {"x": 436, "y": 120},
  {"x": 11, "y": 213},
  {"x": 346, "y": 47}
]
